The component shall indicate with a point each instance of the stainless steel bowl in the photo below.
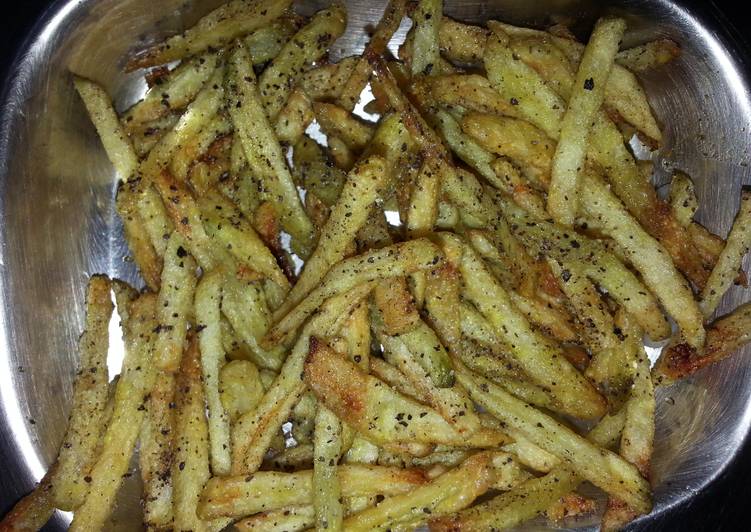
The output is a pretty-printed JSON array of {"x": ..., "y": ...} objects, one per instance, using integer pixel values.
[{"x": 57, "y": 222}]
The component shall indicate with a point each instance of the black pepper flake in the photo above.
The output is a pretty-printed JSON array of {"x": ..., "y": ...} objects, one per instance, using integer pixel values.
[
  {"x": 514, "y": 101},
  {"x": 181, "y": 252},
  {"x": 589, "y": 84},
  {"x": 181, "y": 466}
]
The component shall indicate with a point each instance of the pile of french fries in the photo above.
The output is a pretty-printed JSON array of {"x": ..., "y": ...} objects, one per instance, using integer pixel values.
[{"x": 407, "y": 369}]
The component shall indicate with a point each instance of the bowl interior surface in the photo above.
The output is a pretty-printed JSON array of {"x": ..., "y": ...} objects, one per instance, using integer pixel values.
[{"x": 58, "y": 225}]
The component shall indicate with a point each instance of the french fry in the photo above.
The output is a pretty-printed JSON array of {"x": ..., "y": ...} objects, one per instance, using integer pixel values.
[
  {"x": 294, "y": 118},
  {"x": 327, "y": 442},
  {"x": 208, "y": 313},
  {"x": 350, "y": 92},
  {"x": 121, "y": 434},
  {"x": 157, "y": 224},
  {"x": 114, "y": 138},
  {"x": 145, "y": 136},
  {"x": 253, "y": 432},
  {"x": 190, "y": 469},
  {"x": 325, "y": 82},
  {"x": 155, "y": 452},
  {"x": 173, "y": 92},
  {"x": 647, "y": 256},
  {"x": 376, "y": 411},
  {"x": 427, "y": 21},
  {"x": 338, "y": 122},
  {"x": 287, "y": 519},
  {"x": 242, "y": 495},
  {"x": 197, "y": 115},
  {"x": 308, "y": 45},
  {"x": 174, "y": 304},
  {"x": 637, "y": 439},
  {"x": 603, "y": 468},
  {"x": 388, "y": 262},
  {"x": 240, "y": 387},
  {"x": 584, "y": 102},
  {"x": 531, "y": 498},
  {"x": 683, "y": 198},
  {"x": 465, "y": 146},
  {"x": 223, "y": 222},
  {"x": 265, "y": 43},
  {"x": 450, "y": 401},
  {"x": 356, "y": 332},
  {"x": 363, "y": 186},
  {"x": 244, "y": 306},
  {"x": 539, "y": 358},
  {"x": 724, "y": 337},
  {"x": 184, "y": 157},
  {"x": 604, "y": 268},
  {"x": 462, "y": 43},
  {"x": 648, "y": 56},
  {"x": 76, "y": 454},
  {"x": 516, "y": 139},
  {"x": 611, "y": 367},
  {"x": 516, "y": 81},
  {"x": 731, "y": 258},
  {"x": 262, "y": 149},
  {"x": 471, "y": 92},
  {"x": 214, "y": 30},
  {"x": 397, "y": 306},
  {"x": 449, "y": 492}
]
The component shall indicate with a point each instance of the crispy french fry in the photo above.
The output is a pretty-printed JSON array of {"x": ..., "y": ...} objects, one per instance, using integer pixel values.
[
  {"x": 724, "y": 337},
  {"x": 391, "y": 261},
  {"x": 584, "y": 102},
  {"x": 114, "y": 138},
  {"x": 356, "y": 332},
  {"x": 294, "y": 118},
  {"x": 683, "y": 198},
  {"x": 265, "y": 43},
  {"x": 185, "y": 156},
  {"x": 240, "y": 387},
  {"x": 376, "y": 411},
  {"x": 155, "y": 452},
  {"x": 145, "y": 136},
  {"x": 653, "y": 54},
  {"x": 603, "y": 468},
  {"x": 462, "y": 43},
  {"x": 326, "y": 487},
  {"x": 471, "y": 92},
  {"x": 539, "y": 358},
  {"x": 349, "y": 93},
  {"x": 427, "y": 22},
  {"x": 731, "y": 258},
  {"x": 214, "y": 30},
  {"x": 174, "y": 304},
  {"x": 338, "y": 122},
  {"x": 157, "y": 224},
  {"x": 465, "y": 146},
  {"x": 325, "y": 82},
  {"x": 173, "y": 92},
  {"x": 269, "y": 490},
  {"x": 253, "y": 432},
  {"x": 397, "y": 306},
  {"x": 363, "y": 186},
  {"x": 262, "y": 149},
  {"x": 449, "y": 492},
  {"x": 637, "y": 439},
  {"x": 516, "y": 139},
  {"x": 121, "y": 434},
  {"x": 647, "y": 256},
  {"x": 532, "y": 497},
  {"x": 208, "y": 314},
  {"x": 308, "y": 45},
  {"x": 223, "y": 222}
]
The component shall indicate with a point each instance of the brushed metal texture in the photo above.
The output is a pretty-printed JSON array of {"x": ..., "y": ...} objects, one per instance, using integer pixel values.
[{"x": 57, "y": 221}]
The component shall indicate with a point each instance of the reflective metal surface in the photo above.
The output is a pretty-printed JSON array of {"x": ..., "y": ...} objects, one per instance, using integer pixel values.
[{"x": 57, "y": 223}]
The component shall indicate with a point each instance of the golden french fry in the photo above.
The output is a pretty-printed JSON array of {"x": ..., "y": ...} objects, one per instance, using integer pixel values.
[
  {"x": 731, "y": 258},
  {"x": 448, "y": 493},
  {"x": 174, "y": 91},
  {"x": 462, "y": 43},
  {"x": 327, "y": 491},
  {"x": 121, "y": 434},
  {"x": 308, "y": 45},
  {"x": 376, "y": 411},
  {"x": 265, "y": 43},
  {"x": 683, "y": 198},
  {"x": 294, "y": 118},
  {"x": 325, "y": 82},
  {"x": 584, "y": 102},
  {"x": 427, "y": 21},
  {"x": 214, "y": 30},
  {"x": 647, "y": 256},
  {"x": 650, "y": 55},
  {"x": 337, "y": 122},
  {"x": 261, "y": 148},
  {"x": 388, "y": 262},
  {"x": 363, "y": 187},
  {"x": 114, "y": 138},
  {"x": 33, "y": 511},
  {"x": 240, "y": 387}
]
